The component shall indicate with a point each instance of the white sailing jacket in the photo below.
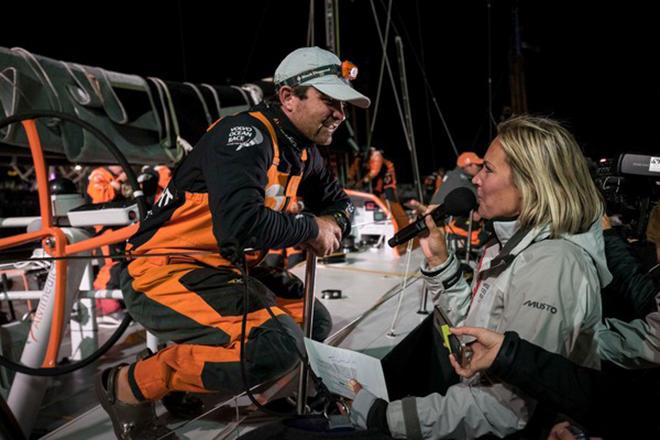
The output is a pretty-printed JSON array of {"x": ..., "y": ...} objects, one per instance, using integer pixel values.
[{"x": 549, "y": 294}]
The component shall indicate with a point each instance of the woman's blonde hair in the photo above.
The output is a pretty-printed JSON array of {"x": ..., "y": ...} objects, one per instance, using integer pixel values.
[{"x": 551, "y": 174}]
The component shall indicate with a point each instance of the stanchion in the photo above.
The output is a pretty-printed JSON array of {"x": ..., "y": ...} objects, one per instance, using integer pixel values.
[{"x": 308, "y": 320}]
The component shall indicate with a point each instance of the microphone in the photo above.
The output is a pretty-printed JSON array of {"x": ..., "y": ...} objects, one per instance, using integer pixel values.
[{"x": 458, "y": 202}]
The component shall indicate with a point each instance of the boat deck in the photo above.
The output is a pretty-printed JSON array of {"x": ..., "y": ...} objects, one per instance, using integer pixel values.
[{"x": 370, "y": 282}]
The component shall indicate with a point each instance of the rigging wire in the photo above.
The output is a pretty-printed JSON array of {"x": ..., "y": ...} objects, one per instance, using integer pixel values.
[
  {"x": 388, "y": 21},
  {"x": 427, "y": 104},
  {"x": 426, "y": 82},
  {"x": 492, "y": 122},
  {"x": 335, "y": 27},
  {"x": 391, "y": 75}
]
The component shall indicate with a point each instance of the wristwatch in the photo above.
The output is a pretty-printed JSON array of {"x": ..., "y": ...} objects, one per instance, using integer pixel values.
[{"x": 342, "y": 222}]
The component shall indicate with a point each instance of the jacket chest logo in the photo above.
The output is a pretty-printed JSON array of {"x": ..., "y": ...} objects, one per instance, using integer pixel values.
[{"x": 540, "y": 306}]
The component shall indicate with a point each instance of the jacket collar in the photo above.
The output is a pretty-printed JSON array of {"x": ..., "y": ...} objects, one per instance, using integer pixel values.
[
  {"x": 505, "y": 229},
  {"x": 282, "y": 123}
]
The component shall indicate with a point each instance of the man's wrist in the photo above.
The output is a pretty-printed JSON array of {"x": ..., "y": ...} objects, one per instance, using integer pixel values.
[
  {"x": 506, "y": 355},
  {"x": 341, "y": 221}
]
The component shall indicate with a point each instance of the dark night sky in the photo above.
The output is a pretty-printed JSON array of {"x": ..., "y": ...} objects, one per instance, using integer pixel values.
[{"x": 589, "y": 65}]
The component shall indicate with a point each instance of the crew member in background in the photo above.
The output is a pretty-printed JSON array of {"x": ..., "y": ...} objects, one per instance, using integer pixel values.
[
  {"x": 468, "y": 164},
  {"x": 164, "y": 176},
  {"x": 374, "y": 174},
  {"x": 379, "y": 178},
  {"x": 432, "y": 184},
  {"x": 105, "y": 185}
]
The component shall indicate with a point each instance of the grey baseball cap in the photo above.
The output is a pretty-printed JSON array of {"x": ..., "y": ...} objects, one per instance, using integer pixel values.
[{"x": 313, "y": 66}]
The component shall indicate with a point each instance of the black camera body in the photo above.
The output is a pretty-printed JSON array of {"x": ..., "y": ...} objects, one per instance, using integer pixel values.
[{"x": 629, "y": 185}]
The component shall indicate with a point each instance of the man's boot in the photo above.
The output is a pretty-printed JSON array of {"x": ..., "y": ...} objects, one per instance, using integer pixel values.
[
  {"x": 180, "y": 404},
  {"x": 130, "y": 422}
]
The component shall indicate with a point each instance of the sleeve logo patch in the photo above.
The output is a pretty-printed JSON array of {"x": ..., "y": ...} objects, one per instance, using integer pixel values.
[{"x": 244, "y": 136}]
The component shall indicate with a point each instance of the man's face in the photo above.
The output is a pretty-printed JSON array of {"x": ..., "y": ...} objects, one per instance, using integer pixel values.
[
  {"x": 472, "y": 169},
  {"x": 316, "y": 117}
]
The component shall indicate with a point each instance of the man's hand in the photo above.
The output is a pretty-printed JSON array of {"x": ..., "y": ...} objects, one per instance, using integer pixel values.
[
  {"x": 484, "y": 350},
  {"x": 329, "y": 238},
  {"x": 565, "y": 431}
]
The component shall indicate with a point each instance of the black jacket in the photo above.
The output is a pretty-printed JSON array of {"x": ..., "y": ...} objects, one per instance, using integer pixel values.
[
  {"x": 631, "y": 294},
  {"x": 601, "y": 402},
  {"x": 237, "y": 186}
]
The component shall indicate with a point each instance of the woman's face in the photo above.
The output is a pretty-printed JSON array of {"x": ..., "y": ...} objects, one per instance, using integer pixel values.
[{"x": 498, "y": 197}]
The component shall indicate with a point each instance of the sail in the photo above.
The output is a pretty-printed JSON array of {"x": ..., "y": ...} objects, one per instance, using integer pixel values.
[{"x": 150, "y": 120}]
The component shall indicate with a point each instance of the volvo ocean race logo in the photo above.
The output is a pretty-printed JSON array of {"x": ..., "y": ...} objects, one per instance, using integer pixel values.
[{"x": 244, "y": 137}]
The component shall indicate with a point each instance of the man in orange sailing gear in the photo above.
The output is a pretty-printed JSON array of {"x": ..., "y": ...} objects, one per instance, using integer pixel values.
[
  {"x": 381, "y": 175},
  {"x": 105, "y": 185},
  {"x": 374, "y": 172},
  {"x": 233, "y": 191}
]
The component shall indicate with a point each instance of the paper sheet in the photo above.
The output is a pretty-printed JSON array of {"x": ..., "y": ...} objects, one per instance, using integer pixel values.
[{"x": 336, "y": 366}]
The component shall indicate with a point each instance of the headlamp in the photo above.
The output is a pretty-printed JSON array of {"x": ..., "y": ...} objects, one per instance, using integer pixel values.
[{"x": 347, "y": 71}]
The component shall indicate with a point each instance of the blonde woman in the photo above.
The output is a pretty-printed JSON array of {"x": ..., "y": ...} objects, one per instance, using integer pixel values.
[{"x": 540, "y": 277}]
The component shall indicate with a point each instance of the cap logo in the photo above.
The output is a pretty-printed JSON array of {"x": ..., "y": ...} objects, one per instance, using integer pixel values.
[{"x": 332, "y": 69}]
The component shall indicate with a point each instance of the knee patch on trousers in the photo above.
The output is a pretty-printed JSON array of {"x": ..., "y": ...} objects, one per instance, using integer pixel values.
[
  {"x": 269, "y": 352},
  {"x": 322, "y": 322}
]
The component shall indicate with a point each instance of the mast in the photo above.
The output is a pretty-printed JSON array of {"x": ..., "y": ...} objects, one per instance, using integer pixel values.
[
  {"x": 331, "y": 15},
  {"x": 491, "y": 119},
  {"x": 331, "y": 26},
  {"x": 410, "y": 134},
  {"x": 310, "y": 25},
  {"x": 517, "y": 76}
]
